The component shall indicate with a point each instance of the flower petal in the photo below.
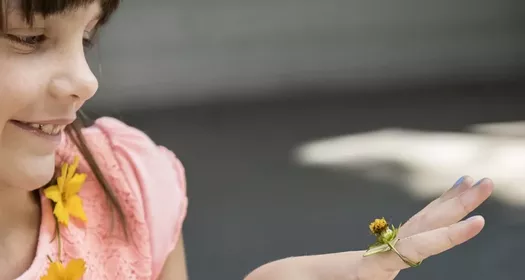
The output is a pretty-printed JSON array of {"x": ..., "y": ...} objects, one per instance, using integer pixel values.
[
  {"x": 60, "y": 183},
  {"x": 53, "y": 193},
  {"x": 75, "y": 184},
  {"x": 63, "y": 172},
  {"x": 55, "y": 271},
  {"x": 75, "y": 209},
  {"x": 72, "y": 168},
  {"x": 61, "y": 213},
  {"x": 75, "y": 269}
]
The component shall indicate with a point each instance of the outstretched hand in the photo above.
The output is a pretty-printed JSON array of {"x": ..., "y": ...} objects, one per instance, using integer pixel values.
[{"x": 433, "y": 230}]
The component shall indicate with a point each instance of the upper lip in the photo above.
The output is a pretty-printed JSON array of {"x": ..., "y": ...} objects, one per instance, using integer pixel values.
[{"x": 64, "y": 121}]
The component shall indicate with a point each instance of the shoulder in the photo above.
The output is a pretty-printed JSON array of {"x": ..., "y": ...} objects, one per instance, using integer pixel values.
[
  {"x": 134, "y": 149},
  {"x": 158, "y": 173},
  {"x": 136, "y": 166},
  {"x": 138, "y": 156}
]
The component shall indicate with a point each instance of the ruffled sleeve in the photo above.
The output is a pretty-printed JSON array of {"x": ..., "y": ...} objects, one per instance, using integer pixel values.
[{"x": 159, "y": 178}]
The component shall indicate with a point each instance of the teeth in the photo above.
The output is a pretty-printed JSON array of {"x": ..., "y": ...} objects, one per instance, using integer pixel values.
[{"x": 50, "y": 129}]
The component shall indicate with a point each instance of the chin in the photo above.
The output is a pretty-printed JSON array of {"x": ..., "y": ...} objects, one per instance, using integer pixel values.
[
  {"x": 29, "y": 173},
  {"x": 41, "y": 177}
]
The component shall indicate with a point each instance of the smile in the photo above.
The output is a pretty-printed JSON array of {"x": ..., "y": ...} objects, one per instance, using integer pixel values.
[
  {"x": 51, "y": 129},
  {"x": 48, "y": 129}
]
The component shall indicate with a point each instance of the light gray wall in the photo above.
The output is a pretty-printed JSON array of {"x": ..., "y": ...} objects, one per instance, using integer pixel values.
[{"x": 164, "y": 51}]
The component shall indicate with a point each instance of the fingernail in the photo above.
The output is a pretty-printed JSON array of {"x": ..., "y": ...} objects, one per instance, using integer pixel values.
[
  {"x": 459, "y": 181},
  {"x": 473, "y": 218},
  {"x": 466, "y": 226},
  {"x": 479, "y": 182}
]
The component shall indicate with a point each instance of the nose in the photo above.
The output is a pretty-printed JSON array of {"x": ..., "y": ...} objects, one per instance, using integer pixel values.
[{"x": 74, "y": 82}]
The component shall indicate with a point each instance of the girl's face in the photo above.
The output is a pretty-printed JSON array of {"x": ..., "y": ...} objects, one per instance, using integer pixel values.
[{"x": 44, "y": 80}]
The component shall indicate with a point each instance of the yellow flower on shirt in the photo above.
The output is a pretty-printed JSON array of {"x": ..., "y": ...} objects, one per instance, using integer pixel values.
[
  {"x": 74, "y": 270},
  {"x": 65, "y": 194}
]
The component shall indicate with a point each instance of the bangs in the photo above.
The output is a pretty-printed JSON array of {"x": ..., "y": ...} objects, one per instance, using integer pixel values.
[{"x": 30, "y": 8}]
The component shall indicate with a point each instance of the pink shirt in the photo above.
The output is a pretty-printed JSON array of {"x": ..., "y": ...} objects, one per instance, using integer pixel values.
[{"x": 150, "y": 185}]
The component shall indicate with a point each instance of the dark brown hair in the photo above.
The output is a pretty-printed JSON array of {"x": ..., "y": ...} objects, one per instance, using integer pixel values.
[{"x": 50, "y": 7}]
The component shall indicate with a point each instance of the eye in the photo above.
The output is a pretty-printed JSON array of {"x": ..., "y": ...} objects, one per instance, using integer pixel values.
[
  {"x": 88, "y": 43},
  {"x": 32, "y": 42},
  {"x": 27, "y": 41},
  {"x": 88, "y": 39}
]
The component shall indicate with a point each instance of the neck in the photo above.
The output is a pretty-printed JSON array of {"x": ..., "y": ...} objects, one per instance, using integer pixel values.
[
  {"x": 19, "y": 230},
  {"x": 18, "y": 207}
]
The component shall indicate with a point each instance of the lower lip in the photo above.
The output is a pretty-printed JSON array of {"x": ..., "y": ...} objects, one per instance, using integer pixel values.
[{"x": 56, "y": 139}]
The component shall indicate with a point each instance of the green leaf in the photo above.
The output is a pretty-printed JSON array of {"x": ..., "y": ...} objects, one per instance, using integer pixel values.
[
  {"x": 377, "y": 249},
  {"x": 375, "y": 245}
]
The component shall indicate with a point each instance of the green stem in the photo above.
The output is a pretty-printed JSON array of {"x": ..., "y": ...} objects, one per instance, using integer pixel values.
[
  {"x": 405, "y": 259},
  {"x": 59, "y": 240}
]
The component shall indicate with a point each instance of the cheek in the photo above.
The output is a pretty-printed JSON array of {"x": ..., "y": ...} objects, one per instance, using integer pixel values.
[
  {"x": 22, "y": 95},
  {"x": 22, "y": 86}
]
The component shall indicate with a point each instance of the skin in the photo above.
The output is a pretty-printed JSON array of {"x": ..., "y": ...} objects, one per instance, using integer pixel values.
[
  {"x": 52, "y": 80},
  {"x": 433, "y": 230},
  {"x": 46, "y": 81}
]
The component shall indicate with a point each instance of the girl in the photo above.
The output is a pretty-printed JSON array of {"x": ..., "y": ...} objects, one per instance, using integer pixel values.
[{"x": 105, "y": 202}]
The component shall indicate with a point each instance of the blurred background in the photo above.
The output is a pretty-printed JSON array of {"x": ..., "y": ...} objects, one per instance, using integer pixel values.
[{"x": 300, "y": 121}]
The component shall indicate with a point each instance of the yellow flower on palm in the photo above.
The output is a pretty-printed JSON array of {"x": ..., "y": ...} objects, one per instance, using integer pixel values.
[
  {"x": 65, "y": 194},
  {"x": 74, "y": 270}
]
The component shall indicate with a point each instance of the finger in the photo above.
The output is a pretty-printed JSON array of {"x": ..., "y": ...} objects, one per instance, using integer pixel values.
[
  {"x": 414, "y": 224},
  {"x": 421, "y": 246},
  {"x": 463, "y": 184},
  {"x": 458, "y": 207}
]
